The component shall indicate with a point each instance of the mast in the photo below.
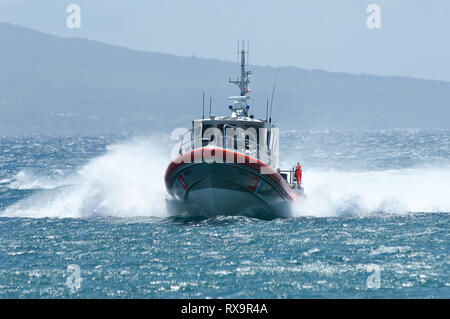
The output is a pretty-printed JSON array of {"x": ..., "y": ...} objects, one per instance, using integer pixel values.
[{"x": 240, "y": 106}]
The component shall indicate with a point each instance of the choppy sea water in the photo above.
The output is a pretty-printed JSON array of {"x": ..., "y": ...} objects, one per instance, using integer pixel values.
[{"x": 375, "y": 224}]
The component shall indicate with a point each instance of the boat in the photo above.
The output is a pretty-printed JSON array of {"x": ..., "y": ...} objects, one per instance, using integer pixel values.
[{"x": 229, "y": 165}]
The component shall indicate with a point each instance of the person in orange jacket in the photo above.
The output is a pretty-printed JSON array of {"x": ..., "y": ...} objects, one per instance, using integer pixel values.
[{"x": 298, "y": 174}]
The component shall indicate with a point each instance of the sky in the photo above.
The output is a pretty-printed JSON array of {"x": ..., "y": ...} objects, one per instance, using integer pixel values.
[{"x": 331, "y": 35}]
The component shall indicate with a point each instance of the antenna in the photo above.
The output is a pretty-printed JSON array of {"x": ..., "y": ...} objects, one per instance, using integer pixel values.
[
  {"x": 240, "y": 107},
  {"x": 267, "y": 110},
  {"x": 248, "y": 52},
  {"x": 237, "y": 53},
  {"x": 203, "y": 113},
  {"x": 253, "y": 104},
  {"x": 271, "y": 102},
  {"x": 210, "y": 105}
]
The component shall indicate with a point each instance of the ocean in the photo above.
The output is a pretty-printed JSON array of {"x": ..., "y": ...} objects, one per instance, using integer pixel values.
[{"x": 88, "y": 217}]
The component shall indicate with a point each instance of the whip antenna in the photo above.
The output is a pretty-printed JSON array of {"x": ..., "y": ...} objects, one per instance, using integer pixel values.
[
  {"x": 203, "y": 114},
  {"x": 210, "y": 105},
  {"x": 271, "y": 102},
  {"x": 271, "y": 99}
]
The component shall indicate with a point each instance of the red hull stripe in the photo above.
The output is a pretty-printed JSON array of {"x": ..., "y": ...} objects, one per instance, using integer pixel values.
[{"x": 230, "y": 157}]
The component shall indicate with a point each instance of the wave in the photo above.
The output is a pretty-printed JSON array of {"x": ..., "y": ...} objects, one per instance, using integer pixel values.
[{"x": 28, "y": 180}]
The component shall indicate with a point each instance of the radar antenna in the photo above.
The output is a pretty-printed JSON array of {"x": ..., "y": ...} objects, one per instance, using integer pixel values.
[{"x": 240, "y": 106}]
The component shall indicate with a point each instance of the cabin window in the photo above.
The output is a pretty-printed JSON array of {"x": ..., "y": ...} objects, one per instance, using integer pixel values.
[
  {"x": 205, "y": 141},
  {"x": 212, "y": 136}
]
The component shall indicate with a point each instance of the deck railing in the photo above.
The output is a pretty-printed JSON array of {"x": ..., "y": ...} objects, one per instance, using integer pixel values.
[{"x": 242, "y": 145}]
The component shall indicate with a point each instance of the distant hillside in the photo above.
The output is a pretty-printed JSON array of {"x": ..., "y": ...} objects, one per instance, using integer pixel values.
[{"x": 56, "y": 85}]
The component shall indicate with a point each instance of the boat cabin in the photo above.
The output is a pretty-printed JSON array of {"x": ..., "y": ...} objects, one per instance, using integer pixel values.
[{"x": 239, "y": 132}]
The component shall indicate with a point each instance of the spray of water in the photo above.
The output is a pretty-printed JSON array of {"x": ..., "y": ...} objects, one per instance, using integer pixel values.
[
  {"x": 128, "y": 181},
  {"x": 400, "y": 191},
  {"x": 28, "y": 180}
]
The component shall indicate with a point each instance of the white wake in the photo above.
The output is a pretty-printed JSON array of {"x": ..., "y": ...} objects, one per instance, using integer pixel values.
[{"x": 399, "y": 191}]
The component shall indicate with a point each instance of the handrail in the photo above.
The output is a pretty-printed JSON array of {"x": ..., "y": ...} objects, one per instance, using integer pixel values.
[{"x": 181, "y": 139}]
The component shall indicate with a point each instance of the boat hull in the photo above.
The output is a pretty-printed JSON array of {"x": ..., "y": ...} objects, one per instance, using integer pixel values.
[{"x": 215, "y": 186}]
